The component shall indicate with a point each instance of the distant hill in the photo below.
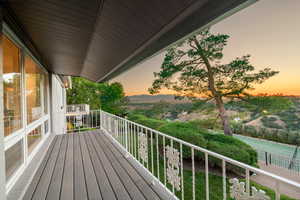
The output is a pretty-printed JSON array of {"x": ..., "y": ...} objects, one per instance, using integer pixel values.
[{"x": 144, "y": 98}]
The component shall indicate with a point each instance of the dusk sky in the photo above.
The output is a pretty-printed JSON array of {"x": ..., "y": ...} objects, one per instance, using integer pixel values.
[{"x": 269, "y": 31}]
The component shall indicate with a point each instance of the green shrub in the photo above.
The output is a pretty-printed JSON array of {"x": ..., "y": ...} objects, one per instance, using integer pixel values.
[
  {"x": 149, "y": 122},
  {"x": 193, "y": 133},
  {"x": 229, "y": 146},
  {"x": 207, "y": 123},
  {"x": 222, "y": 144},
  {"x": 185, "y": 132}
]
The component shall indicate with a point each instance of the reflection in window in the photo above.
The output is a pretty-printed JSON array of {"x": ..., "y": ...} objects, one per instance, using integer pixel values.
[
  {"x": 34, "y": 138},
  {"x": 33, "y": 76},
  {"x": 12, "y": 87},
  {"x": 46, "y": 126},
  {"x": 46, "y": 85},
  {"x": 14, "y": 158}
]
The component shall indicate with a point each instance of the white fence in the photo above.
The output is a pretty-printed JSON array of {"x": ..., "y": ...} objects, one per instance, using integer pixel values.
[
  {"x": 293, "y": 165},
  {"x": 77, "y": 109}
]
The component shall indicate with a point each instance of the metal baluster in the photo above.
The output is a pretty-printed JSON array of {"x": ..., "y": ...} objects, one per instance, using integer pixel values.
[
  {"x": 206, "y": 176},
  {"x": 165, "y": 174},
  {"x": 157, "y": 156},
  {"x": 138, "y": 143},
  {"x": 173, "y": 189},
  {"x": 181, "y": 171},
  {"x": 135, "y": 142},
  {"x": 248, "y": 181},
  {"x": 151, "y": 141},
  {"x": 277, "y": 193},
  {"x": 193, "y": 173},
  {"x": 132, "y": 138},
  {"x": 147, "y": 163},
  {"x": 224, "y": 179},
  {"x": 126, "y": 135}
]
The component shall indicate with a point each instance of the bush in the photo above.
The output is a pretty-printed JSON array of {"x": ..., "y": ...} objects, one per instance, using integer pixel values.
[
  {"x": 149, "y": 122},
  {"x": 207, "y": 123},
  {"x": 185, "y": 132},
  {"x": 193, "y": 133},
  {"x": 231, "y": 147}
]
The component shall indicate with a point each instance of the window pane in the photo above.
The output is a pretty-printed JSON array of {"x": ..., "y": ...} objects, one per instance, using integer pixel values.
[
  {"x": 46, "y": 126},
  {"x": 12, "y": 87},
  {"x": 14, "y": 158},
  {"x": 33, "y": 76},
  {"x": 34, "y": 138},
  {"x": 46, "y": 85}
]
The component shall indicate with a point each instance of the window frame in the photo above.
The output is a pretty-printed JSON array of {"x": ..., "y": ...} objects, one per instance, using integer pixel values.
[{"x": 23, "y": 132}]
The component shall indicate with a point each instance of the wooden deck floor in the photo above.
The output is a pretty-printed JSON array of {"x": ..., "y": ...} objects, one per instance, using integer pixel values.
[{"x": 89, "y": 166}]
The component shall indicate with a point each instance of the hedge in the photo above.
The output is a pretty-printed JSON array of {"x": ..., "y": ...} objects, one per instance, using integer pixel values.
[{"x": 194, "y": 134}]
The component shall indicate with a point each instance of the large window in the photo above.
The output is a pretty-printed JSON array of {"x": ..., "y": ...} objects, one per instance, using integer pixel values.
[
  {"x": 12, "y": 87},
  {"x": 34, "y": 77},
  {"x": 14, "y": 158},
  {"x": 26, "y": 105}
]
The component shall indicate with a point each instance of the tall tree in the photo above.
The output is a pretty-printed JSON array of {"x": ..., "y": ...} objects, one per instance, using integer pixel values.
[{"x": 193, "y": 68}]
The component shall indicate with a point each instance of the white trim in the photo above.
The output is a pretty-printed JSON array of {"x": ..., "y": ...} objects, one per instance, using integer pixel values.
[
  {"x": 19, "y": 172},
  {"x": 2, "y": 152}
]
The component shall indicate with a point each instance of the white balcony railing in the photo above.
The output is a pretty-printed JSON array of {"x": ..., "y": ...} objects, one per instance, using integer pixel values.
[
  {"x": 77, "y": 109},
  {"x": 82, "y": 121},
  {"x": 163, "y": 156}
]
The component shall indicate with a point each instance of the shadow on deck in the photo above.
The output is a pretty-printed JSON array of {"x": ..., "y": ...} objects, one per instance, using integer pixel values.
[{"x": 90, "y": 165}]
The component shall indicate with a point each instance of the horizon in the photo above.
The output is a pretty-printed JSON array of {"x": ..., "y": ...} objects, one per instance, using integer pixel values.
[
  {"x": 266, "y": 30},
  {"x": 255, "y": 95}
]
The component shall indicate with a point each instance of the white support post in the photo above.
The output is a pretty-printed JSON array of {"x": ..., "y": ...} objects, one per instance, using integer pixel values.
[{"x": 2, "y": 153}]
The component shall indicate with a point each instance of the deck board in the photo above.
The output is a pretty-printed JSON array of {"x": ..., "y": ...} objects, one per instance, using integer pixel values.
[
  {"x": 88, "y": 166},
  {"x": 56, "y": 181},
  {"x": 130, "y": 186},
  {"x": 67, "y": 190},
  {"x": 80, "y": 192}
]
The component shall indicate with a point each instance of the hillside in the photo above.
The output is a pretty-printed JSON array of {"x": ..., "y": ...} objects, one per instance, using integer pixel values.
[{"x": 144, "y": 98}]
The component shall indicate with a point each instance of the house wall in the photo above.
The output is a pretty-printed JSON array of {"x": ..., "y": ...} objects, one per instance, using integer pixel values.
[
  {"x": 59, "y": 105},
  {"x": 23, "y": 143}
]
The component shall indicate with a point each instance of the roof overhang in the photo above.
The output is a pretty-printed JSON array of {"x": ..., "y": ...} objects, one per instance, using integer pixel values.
[{"x": 99, "y": 39}]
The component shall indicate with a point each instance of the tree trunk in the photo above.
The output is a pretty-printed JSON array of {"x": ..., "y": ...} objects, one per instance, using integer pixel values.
[
  {"x": 216, "y": 95},
  {"x": 223, "y": 116}
]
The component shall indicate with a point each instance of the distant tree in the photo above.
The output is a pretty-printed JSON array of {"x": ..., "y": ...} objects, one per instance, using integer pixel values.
[
  {"x": 112, "y": 98},
  {"x": 84, "y": 91},
  {"x": 268, "y": 105},
  {"x": 108, "y": 97},
  {"x": 192, "y": 68}
]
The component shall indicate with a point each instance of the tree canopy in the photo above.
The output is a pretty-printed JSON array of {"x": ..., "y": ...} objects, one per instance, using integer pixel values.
[
  {"x": 109, "y": 97},
  {"x": 193, "y": 68}
]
